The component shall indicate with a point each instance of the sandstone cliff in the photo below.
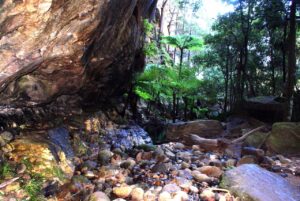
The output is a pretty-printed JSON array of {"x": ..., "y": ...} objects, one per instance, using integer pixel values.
[{"x": 84, "y": 49}]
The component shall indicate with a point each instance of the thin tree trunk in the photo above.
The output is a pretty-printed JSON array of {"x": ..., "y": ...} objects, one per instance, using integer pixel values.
[
  {"x": 284, "y": 51},
  {"x": 162, "y": 12},
  {"x": 174, "y": 106},
  {"x": 226, "y": 81},
  {"x": 273, "y": 72},
  {"x": 291, "y": 71},
  {"x": 180, "y": 62}
]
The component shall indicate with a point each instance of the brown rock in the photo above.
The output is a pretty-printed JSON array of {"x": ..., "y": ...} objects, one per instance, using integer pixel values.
[
  {"x": 149, "y": 196},
  {"x": 211, "y": 171},
  {"x": 122, "y": 191},
  {"x": 137, "y": 194},
  {"x": 202, "y": 128},
  {"x": 54, "y": 48},
  {"x": 208, "y": 195},
  {"x": 249, "y": 159},
  {"x": 98, "y": 196},
  {"x": 181, "y": 195},
  {"x": 200, "y": 177},
  {"x": 164, "y": 196}
]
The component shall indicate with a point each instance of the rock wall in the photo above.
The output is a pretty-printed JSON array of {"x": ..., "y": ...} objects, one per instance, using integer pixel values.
[{"x": 69, "y": 48}]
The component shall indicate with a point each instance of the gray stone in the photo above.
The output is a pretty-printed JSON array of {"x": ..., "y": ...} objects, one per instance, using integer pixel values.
[
  {"x": 128, "y": 137},
  {"x": 162, "y": 167},
  {"x": 60, "y": 136},
  {"x": 171, "y": 188},
  {"x": 252, "y": 183},
  {"x": 5, "y": 138}
]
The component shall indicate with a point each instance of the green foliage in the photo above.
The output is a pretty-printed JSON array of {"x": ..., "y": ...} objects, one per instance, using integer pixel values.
[
  {"x": 57, "y": 172},
  {"x": 148, "y": 27},
  {"x": 183, "y": 42},
  {"x": 200, "y": 112},
  {"x": 142, "y": 94},
  {"x": 6, "y": 170},
  {"x": 150, "y": 49},
  {"x": 27, "y": 163},
  {"x": 34, "y": 187}
]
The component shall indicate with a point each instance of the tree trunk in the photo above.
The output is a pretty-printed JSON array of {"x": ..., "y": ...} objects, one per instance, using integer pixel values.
[
  {"x": 273, "y": 84},
  {"x": 162, "y": 13},
  {"x": 174, "y": 106},
  {"x": 291, "y": 71},
  {"x": 180, "y": 62},
  {"x": 226, "y": 81},
  {"x": 284, "y": 51}
]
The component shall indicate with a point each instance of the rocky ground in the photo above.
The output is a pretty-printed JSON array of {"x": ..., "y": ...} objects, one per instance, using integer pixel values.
[{"x": 120, "y": 163}]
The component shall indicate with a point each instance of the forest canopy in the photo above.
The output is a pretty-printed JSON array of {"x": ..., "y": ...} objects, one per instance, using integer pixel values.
[{"x": 251, "y": 51}]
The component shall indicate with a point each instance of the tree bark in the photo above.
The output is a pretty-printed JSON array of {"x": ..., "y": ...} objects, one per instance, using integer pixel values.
[
  {"x": 226, "y": 81},
  {"x": 291, "y": 71}
]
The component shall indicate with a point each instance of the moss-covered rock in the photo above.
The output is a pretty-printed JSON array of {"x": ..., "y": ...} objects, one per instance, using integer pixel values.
[
  {"x": 284, "y": 138},
  {"x": 41, "y": 157},
  {"x": 257, "y": 139}
]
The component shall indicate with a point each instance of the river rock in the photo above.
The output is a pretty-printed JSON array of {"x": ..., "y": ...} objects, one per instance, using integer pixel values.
[
  {"x": 162, "y": 167},
  {"x": 211, "y": 171},
  {"x": 98, "y": 196},
  {"x": 181, "y": 195},
  {"x": 78, "y": 183},
  {"x": 149, "y": 196},
  {"x": 122, "y": 191},
  {"x": 202, "y": 128},
  {"x": 200, "y": 177},
  {"x": 252, "y": 183},
  {"x": 128, "y": 137},
  {"x": 60, "y": 136},
  {"x": 104, "y": 157},
  {"x": 5, "y": 137},
  {"x": 171, "y": 188},
  {"x": 207, "y": 195},
  {"x": 179, "y": 145},
  {"x": 284, "y": 138},
  {"x": 128, "y": 164},
  {"x": 164, "y": 196},
  {"x": 137, "y": 194},
  {"x": 248, "y": 159}
]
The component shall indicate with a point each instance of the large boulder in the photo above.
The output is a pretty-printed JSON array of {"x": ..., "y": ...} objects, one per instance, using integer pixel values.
[
  {"x": 49, "y": 49},
  {"x": 284, "y": 138},
  {"x": 252, "y": 183},
  {"x": 257, "y": 139},
  {"x": 202, "y": 128},
  {"x": 267, "y": 108}
]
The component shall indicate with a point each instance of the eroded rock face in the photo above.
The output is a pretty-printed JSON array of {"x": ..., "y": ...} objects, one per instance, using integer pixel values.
[{"x": 50, "y": 48}]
